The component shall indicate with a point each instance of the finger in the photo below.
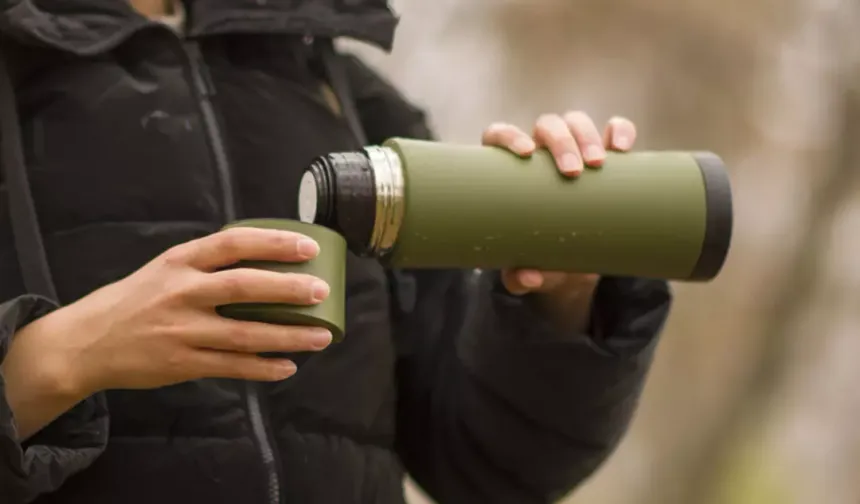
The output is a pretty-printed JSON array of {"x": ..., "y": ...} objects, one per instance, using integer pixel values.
[
  {"x": 519, "y": 282},
  {"x": 554, "y": 279},
  {"x": 509, "y": 137},
  {"x": 552, "y": 132},
  {"x": 587, "y": 137},
  {"x": 243, "y": 243},
  {"x": 256, "y": 337},
  {"x": 247, "y": 285},
  {"x": 218, "y": 364},
  {"x": 619, "y": 134}
]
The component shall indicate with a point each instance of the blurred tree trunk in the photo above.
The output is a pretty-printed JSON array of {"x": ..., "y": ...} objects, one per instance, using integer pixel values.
[{"x": 836, "y": 186}]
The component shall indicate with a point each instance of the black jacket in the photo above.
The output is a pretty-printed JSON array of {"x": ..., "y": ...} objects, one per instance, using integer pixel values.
[{"x": 136, "y": 140}]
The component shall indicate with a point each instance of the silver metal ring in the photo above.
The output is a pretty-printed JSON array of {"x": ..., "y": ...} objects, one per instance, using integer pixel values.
[{"x": 390, "y": 200}]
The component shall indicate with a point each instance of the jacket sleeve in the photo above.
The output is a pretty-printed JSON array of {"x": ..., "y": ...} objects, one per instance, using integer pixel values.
[
  {"x": 495, "y": 404},
  {"x": 68, "y": 445}
]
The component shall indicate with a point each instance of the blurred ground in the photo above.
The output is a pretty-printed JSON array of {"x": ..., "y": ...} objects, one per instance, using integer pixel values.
[{"x": 754, "y": 396}]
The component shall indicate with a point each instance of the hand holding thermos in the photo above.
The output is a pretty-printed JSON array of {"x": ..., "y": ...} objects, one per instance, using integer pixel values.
[
  {"x": 575, "y": 143},
  {"x": 159, "y": 326}
]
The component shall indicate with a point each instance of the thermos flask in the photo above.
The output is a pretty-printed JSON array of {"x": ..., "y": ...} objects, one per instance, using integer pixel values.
[{"x": 420, "y": 204}]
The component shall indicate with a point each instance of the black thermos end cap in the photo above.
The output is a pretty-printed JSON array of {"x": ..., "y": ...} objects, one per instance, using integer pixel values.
[
  {"x": 338, "y": 191},
  {"x": 719, "y": 216}
]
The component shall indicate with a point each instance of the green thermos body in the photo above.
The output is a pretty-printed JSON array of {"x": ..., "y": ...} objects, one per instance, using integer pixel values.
[{"x": 421, "y": 204}]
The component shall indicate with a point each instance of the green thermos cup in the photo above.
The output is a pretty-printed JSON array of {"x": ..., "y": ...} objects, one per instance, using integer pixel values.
[
  {"x": 420, "y": 204},
  {"x": 329, "y": 265}
]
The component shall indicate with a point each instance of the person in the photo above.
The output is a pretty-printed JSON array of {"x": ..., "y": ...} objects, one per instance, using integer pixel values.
[{"x": 129, "y": 138}]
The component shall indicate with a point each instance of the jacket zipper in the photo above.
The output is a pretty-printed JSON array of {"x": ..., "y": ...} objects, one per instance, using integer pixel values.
[{"x": 205, "y": 90}]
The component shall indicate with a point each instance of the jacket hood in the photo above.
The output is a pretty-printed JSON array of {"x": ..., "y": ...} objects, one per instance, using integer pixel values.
[{"x": 87, "y": 27}]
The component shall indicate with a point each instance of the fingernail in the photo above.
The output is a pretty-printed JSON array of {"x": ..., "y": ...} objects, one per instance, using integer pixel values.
[
  {"x": 570, "y": 163},
  {"x": 593, "y": 153},
  {"x": 285, "y": 369},
  {"x": 320, "y": 290},
  {"x": 523, "y": 146},
  {"x": 622, "y": 142},
  {"x": 320, "y": 338},
  {"x": 308, "y": 248}
]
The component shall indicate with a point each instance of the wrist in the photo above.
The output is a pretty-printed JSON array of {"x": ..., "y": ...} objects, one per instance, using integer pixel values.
[
  {"x": 41, "y": 354},
  {"x": 568, "y": 304},
  {"x": 40, "y": 377}
]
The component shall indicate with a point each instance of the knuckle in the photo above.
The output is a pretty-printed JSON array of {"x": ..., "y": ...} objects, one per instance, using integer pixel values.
[
  {"x": 236, "y": 232},
  {"x": 299, "y": 338},
  {"x": 546, "y": 121},
  {"x": 177, "y": 361},
  {"x": 497, "y": 132},
  {"x": 552, "y": 128},
  {"x": 582, "y": 125},
  {"x": 177, "y": 256},
  {"x": 232, "y": 287},
  {"x": 178, "y": 291},
  {"x": 230, "y": 241},
  {"x": 296, "y": 340},
  {"x": 561, "y": 138},
  {"x": 298, "y": 287},
  {"x": 168, "y": 326},
  {"x": 241, "y": 338},
  {"x": 496, "y": 128},
  {"x": 284, "y": 241},
  {"x": 576, "y": 117},
  {"x": 622, "y": 122}
]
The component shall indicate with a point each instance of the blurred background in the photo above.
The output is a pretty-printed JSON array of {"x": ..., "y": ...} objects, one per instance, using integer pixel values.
[{"x": 755, "y": 394}]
